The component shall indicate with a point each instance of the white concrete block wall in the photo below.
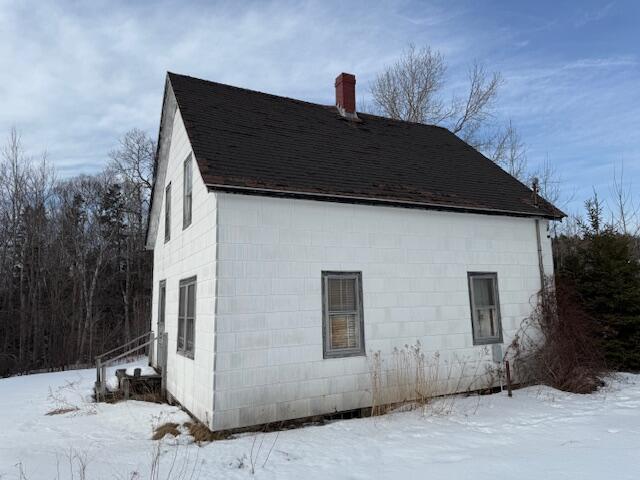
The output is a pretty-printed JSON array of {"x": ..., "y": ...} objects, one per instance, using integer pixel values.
[
  {"x": 189, "y": 252},
  {"x": 414, "y": 263}
]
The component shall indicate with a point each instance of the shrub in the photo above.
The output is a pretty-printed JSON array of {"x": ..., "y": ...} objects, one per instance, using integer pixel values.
[{"x": 559, "y": 345}]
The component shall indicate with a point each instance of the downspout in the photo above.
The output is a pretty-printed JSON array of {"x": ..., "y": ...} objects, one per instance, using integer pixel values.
[
  {"x": 535, "y": 193},
  {"x": 540, "y": 262}
]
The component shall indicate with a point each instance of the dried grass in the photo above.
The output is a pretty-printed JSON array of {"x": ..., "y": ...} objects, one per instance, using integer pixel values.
[
  {"x": 409, "y": 379},
  {"x": 165, "y": 429},
  {"x": 201, "y": 433},
  {"x": 61, "y": 411}
]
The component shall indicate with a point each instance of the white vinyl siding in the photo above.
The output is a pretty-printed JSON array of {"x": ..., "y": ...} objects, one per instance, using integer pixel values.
[
  {"x": 187, "y": 317},
  {"x": 485, "y": 308},
  {"x": 343, "y": 327}
]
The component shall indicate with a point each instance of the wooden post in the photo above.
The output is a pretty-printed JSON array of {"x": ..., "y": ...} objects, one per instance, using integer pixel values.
[
  {"x": 162, "y": 351},
  {"x": 103, "y": 380},
  {"x": 98, "y": 387},
  {"x": 151, "y": 353},
  {"x": 508, "y": 377},
  {"x": 125, "y": 388}
]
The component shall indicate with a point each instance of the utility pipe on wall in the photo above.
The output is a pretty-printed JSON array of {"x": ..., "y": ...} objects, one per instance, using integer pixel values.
[{"x": 540, "y": 262}]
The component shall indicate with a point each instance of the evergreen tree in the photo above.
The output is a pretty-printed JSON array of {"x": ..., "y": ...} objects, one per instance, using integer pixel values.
[{"x": 606, "y": 273}]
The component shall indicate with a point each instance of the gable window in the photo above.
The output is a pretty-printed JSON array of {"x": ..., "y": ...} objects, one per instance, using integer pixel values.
[
  {"x": 342, "y": 319},
  {"x": 485, "y": 308},
  {"x": 167, "y": 213},
  {"x": 188, "y": 195},
  {"x": 187, "y": 317}
]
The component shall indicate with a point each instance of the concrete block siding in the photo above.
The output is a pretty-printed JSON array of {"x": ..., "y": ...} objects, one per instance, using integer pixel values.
[
  {"x": 271, "y": 251},
  {"x": 189, "y": 252}
]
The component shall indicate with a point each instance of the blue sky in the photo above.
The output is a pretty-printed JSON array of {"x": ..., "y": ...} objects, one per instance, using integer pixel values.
[{"x": 76, "y": 75}]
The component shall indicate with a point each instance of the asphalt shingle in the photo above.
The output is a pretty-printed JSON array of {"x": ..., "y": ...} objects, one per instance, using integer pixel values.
[{"x": 246, "y": 139}]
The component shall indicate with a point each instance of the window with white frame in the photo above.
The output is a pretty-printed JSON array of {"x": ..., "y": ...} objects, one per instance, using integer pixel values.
[
  {"x": 485, "y": 308},
  {"x": 167, "y": 213},
  {"x": 187, "y": 200},
  {"x": 343, "y": 320},
  {"x": 187, "y": 317}
]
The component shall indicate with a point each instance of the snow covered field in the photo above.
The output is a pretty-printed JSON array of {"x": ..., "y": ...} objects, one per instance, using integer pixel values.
[{"x": 538, "y": 434}]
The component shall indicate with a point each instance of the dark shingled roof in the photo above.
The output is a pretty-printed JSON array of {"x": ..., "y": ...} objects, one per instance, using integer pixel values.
[{"x": 244, "y": 139}]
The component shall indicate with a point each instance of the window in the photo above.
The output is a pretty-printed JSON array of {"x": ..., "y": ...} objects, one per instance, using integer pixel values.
[
  {"x": 342, "y": 319},
  {"x": 187, "y": 317},
  {"x": 188, "y": 195},
  {"x": 485, "y": 308},
  {"x": 162, "y": 301},
  {"x": 167, "y": 213}
]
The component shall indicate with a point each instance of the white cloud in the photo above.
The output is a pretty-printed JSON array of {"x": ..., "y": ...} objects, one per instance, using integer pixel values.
[
  {"x": 595, "y": 15},
  {"x": 76, "y": 75}
]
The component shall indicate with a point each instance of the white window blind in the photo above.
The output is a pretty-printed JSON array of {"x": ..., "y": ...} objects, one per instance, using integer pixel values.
[{"x": 342, "y": 318}]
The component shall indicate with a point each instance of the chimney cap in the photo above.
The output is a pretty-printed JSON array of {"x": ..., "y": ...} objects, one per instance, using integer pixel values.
[{"x": 345, "y": 77}]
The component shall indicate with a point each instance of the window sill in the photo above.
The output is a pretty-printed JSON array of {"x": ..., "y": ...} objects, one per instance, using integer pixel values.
[
  {"x": 488, "y": 341},
  {"x": 185, "y": 354},
  {"x": 329, "y": 356}
]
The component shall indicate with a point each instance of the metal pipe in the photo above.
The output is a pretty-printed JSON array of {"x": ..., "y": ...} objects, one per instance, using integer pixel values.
[{"x": 540, "y": 261}]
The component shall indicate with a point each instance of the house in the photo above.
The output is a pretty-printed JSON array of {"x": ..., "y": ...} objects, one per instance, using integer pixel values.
[{"x": 291, "y": 240}]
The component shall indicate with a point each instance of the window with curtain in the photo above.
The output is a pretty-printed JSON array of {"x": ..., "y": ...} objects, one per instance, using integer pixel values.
[
  {"x": 343, "y": 321},
  {"x": 167, "y": 213},
  {"x": 187, "y": 317},
  {"x": 485, "y": 308},
  {"x": 188, "y": 195}
]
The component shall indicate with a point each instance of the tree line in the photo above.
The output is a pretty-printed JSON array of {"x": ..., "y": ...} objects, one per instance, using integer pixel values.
[{"x": 75, "y": 278}]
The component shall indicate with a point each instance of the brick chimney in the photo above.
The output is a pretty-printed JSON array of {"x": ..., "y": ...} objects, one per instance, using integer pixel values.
[{"x": 346, "y": 95}]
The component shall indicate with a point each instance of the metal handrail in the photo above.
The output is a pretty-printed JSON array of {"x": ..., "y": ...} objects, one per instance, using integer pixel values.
[
  {"x": 99, "y": 357},
  {"x": 128, "y": 352}
]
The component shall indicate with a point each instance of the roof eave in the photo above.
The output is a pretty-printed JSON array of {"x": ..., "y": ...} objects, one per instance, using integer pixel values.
[{"x": 331, "y": 197}]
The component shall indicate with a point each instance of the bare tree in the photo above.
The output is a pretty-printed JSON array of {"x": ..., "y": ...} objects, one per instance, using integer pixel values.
[
  {"x": 74, "y": 275},
  {"x": 510, "y": 153},
  {"x": 549, "y": 182},
  {"x": 132, "y": 163},
  {"x": 625, "y": 209},
  {"x": 134, "y": 158},
  {"x": 412, "y": 90},
  {"x": 469, "y": 115}
]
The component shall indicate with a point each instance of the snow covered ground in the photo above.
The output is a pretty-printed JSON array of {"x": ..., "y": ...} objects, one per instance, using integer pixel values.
[{"x": 540, "y": 433}]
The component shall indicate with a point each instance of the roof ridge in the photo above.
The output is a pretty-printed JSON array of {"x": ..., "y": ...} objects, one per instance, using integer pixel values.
[
  {"x": 244, "y": 89},
  {"x": 306, "y": 102}
]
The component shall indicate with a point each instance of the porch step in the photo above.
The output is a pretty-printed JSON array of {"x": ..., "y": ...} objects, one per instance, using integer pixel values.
[{"x": 137, "y": 384}]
